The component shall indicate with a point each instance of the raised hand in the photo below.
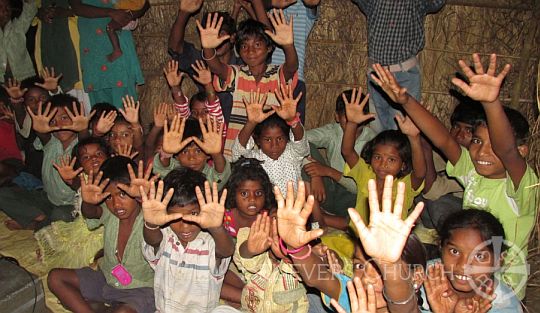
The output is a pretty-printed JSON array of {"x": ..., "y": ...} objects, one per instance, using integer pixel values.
[
  {"x": 354, "y": 109},
  {"x": 212, "y": 207},
  {"x": 293, "y": 216},
  {"x": 160, "y": 114},
  {"x": 204, "y": 76},
  {"x": 41, "y": 120},
  {"x": 190, "y": 6},
  {"x": 105, "y": 122},
  {"x": 126, "y": 151},
  {"x": 274, "y": 239},
  {"x": 154, "y": 205},
  {"x": 13, "y": 88},
  {"x": 407, "y": 126},
  {"x": 210, "y": 38},
  {"x": 141, "y": 180},
  {"x": 287, "y": 109},
  {"x": 483, "y": 87},
  {"x": 254, "y": 107},
  {"x": 79, "y": 121},
  {"x": 131, "y": 110},
  {"x": 386, "y": 235},
  {"x": 92, "y": 189},
  {"x": 334, "y": 262},
  {"x": 173, "y": 76},
  {"x": 172, "y": 138},
  {"x": 361, "y": 301},
  {"x": 479, "y": 303},
  {"x": 389, "y": 84},
  {"x": 440, "y": 296},
  {"x": 259, "y": 239},
  {"x": 50, "y": 81},
  {"x": 283, "y": 31},
  {"x": 212, "y": 137},
  {"x": 65, "y": 167},
  {"x": 6, "y": 113}
]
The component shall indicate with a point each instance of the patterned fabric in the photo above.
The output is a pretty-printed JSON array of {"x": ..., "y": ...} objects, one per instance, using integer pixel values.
[
  {"x": 186, "y": 279},
  {"x": 241, "y": 82},
  {"x": 396, "y": 28},
  {"x": 228, "y": 223}
]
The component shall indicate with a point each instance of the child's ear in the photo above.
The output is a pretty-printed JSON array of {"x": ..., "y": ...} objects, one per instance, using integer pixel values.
[{"x": 523, "y": 150}]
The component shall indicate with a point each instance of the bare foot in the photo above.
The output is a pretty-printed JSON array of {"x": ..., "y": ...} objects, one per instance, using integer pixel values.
[
  {"x": 13, "y": 225},
  {"x": 114, "y": 55}
]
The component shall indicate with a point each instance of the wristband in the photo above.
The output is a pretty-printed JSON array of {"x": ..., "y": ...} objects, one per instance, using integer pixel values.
[
  {"x": 304, "y": 256},
  {"x": 398, "y": 302},
  {"x": 282, "y": 245},
  {"x": 210, "y": 58},
  {"x": 151, "y": 228},
  {"x": 295, "y": 121},
  {"x": 16, "y": 101}
]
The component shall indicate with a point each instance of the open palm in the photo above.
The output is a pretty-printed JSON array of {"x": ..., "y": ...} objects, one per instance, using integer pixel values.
[
  {"x": 155, "y": 205},
  {"x": 386, "y": 80},
  {"x": 92, "y": 189},
  {"x": 212, "y": 138},
  {"x": 354, "y": 108},
  {"x": 212, "y": 207},
  {"x": 254, "y": 107},
  {"x": 259, "y": 235},
  {"x": 210, "y": 35}
]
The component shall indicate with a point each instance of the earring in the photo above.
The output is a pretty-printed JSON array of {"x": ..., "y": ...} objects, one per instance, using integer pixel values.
[{"x": 415, "y": 286}]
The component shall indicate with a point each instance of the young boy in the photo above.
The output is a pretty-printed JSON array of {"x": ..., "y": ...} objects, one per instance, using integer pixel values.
[
  {"x": 493, "y": 170},
  {"x": 191, "y": 152},
  {"x": 58, "y": 129},
  {"x": 335, "y": 191},
  {"x": 125, "y": 279},
  {"x": 192, "y": 253}
]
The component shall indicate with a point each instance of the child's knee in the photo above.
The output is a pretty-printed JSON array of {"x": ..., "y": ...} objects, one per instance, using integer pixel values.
[{"x": 59, "y": 278}]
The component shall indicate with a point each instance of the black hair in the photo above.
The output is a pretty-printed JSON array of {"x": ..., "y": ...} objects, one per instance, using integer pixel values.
[
  {"x": 99, "y": 108},
  {"x": 340, "y": 104},
  {"x": 249, "y": 169},
  {"x": 228, "y": 25},
  {"x": 467, "y": 111},
  {"x": 249, "y": 29},
  {"x": 192, "y": 129},
  {"x": 398, "y": 140},
  {"x": 30, "y": 83},
  {"x": 116, "y": 170},
  {"x": 487, "y": 225},
  {"x": 76, "y": 152},
  {"x": 63, "y": 100},
  {"x": 518, "y": 122},
  {"x": 272, "y": 121},
  {"x": 199, "y": 96},
  {"x": 4, "y": 97},
  {"x": 183, "y": 181},
  {"x": 16, "y": 7}
]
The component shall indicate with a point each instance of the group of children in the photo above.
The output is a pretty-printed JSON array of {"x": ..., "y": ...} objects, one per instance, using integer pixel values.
[{"x": 226, "y": 207}]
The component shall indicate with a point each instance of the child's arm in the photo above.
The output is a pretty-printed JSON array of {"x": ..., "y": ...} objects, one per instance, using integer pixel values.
[
  {"x": 211, "y": 143},
  {"x": 211, "y": 218},
  {"x": 210, "y": 40},
  {"x": 384, "y": 240},
  {"x": 154, "y": 206},
  {"x": 246, "y": 5},
  {"x": 204, "y": 77},
  {"x": 287, "y": 110},
  {"x": 92, "y": 192},
  {"x": 131, "y": 113},
  {"x": 485, "y": 87},
  {"x": 174, "y": 79},
  {"x": 255, "y": 115},
  {"x": 67, "y": 172},
  {"x": 176, "y": 36},
  {"x": 355, "y": 116},
  {"x": 418, "y": 172},
  {"x": 260, "y": 12},
  {"x": 160, "y": 115},
  {"x": 428, "y": 124},
  {"x": 284, "y": 37}
]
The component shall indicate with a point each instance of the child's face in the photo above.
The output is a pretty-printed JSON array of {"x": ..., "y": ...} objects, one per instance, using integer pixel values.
[
  {"x": 193, "y": 157},
  {"x": 199, "y": 111},
  {"x": 368, "y": 274},
  {"x": 61, "y": 119},
  {"x": 120, "y": 203},
  {"x": 33, "y": 96},
  {"x": 186, "y": 231},
  {"x": 386, "y": 161},
  {"x": 254, "y": 51},
  {"x": 225, "y": 46},
  {"x": 91, "y": 157},
  {"x": 462, "y": 133},
  {"x": 250, "y": 198},
  {"x": 485, "y": 160},
  {"x": 121, "y": 134},
  {"x": 272, "y": 142},
  {"x": 467, "y": 261}
]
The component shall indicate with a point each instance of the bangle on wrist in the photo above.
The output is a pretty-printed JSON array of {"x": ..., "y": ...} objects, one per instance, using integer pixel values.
[
  {"x": 293, "y": 251},
  {"x": 304, "y": 256},
  {"x": 399, "y": 302},
  {"x": 295, "y": 121},
  {"x": 151, "y": 228},
  {"x": 16, "y": 101},
  {"x": 210, "y": 58}
]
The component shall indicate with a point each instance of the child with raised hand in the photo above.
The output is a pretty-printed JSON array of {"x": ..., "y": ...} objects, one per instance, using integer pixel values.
[
  {"x": 190, "y": 151},
  {"x": 493, "y": 170},
  {"x": 58, "y": 129},
  {"x": 254, "y": 44},
  {"x": 154, "y": 139},
  {"x": 124, "y": 278},
  {"x": 126, "y": 134},
  {"x": 391, "y": 152},
  {"x": 191, "y": 254},
  {"x": 278, "y": 141}
]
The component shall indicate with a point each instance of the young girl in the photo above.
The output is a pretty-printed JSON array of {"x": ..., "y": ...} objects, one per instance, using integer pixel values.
[
  {"x": 126, "y": 135},
  {"x": 254, "y": 44},
  {"x": 391, "y": 152}
]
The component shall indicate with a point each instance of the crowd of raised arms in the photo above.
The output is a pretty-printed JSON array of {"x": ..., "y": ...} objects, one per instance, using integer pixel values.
[{"x": 225, "y": 202}]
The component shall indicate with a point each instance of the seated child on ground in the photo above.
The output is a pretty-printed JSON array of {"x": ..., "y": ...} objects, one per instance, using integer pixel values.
[
  {"x": 126, "y": 135},
  {"x": 192, "y": 253},
  {"x": 124, "y": 278}
]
